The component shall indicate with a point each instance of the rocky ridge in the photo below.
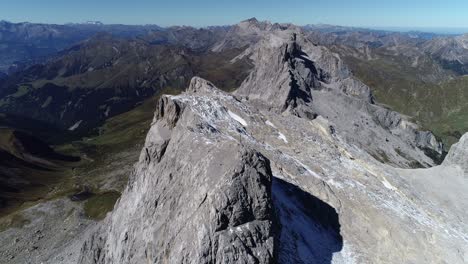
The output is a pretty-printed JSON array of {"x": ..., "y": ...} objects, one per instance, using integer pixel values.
[
  {"x": 297, "y": 166},
  {"x": 231, "y": 208},
  {"x": 332, "y": 196},
  {"x": 458, "y": 154},
  {"x": 450, "y": 51},
  {"x": 324, "y": 193},
  {"x": 293, "y": 74}
]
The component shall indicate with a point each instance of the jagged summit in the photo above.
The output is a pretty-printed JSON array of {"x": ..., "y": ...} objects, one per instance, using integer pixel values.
[
  {"x": 253, "y": 23},
  {"x": 299, "y": 165},
  {"x": 259, "y": 186},
  {"x": 250, "y": 20},
  {"x": 293, "y": 76},
  {"x": 247, "y": 33},
  {"x": 276, "y": 80},
  {"x": 200, "y": 85},
  {"x": 195, "y": 195}
]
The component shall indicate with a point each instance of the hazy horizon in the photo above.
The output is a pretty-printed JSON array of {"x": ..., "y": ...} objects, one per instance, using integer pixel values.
[
  {"x": 437, "y": 30},
  {"x": 430, "y": 14}
]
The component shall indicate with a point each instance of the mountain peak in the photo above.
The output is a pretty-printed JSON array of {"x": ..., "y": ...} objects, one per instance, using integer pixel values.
[
  {"x": 200, "y": 85},
  {"x": 254, "y": 23},
  {"x": 251, "y": 20}
]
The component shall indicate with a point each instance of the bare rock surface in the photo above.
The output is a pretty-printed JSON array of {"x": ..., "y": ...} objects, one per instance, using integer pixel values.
[
  {"x": 196, "y": 196},
  {"x": 336, "y": 198},
  {"x": 299, "y": 165},
  {"x": 293, "y": 75},
  {"x": 451, "y": 51},
  {"x": 51, "y": 232},
  {"x": 334, "y": 202},
  {"x": 458, "y": 154}
]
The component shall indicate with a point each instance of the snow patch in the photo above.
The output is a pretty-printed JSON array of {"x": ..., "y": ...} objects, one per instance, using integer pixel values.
[
  {"x": 237, "y": 118},
  {"x": 335, "y": 183},
  {"x": 282, "y": 137},
  {"x": 107, "y": 111},
  {"x": 75, "y": 126},
  {"x": 270, "y": 124},
  {"x": 388, "y": 185}
]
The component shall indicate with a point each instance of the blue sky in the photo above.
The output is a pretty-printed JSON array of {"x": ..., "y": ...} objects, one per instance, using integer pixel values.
[{"x": 368, "y": 13}]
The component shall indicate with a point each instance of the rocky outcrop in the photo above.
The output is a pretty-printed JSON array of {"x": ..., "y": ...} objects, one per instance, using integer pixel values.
[
  {"x": 458, "y": 154},
  {"x": 221, "y": 181},
  {"x": 283, "y": 78},
  {"x": 242, "y": 35},
  {"x": 399, "y": 125},
  {"x": 195, "y": 197},
  {"x": 294, "y": 76},
  {"x": 247, "y": 178},
  {"x": 450, "y": 52},
  {"x": 288, "y": 67}
]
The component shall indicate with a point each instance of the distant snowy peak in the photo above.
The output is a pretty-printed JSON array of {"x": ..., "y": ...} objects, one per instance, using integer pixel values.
[{"x": 90, "y": 22}]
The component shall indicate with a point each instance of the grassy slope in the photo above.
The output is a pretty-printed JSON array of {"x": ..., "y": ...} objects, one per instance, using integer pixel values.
[
  {"x": 439, "y": 107},
  {"x": 108, "y": 154},
  {"x": 97, "y": 206},
  {"x": 26, "y": 180},
  {"x": 117, "y": 145},
  {"x": 108, "y": 157}
]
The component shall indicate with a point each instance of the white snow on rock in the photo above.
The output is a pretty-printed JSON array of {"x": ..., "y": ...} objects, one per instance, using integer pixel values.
[
  {"x": 75, "y": 126},
  {"x": 237, "y": 118},
  {"x": 107, "y": 111},
  {"x": 270, "y": 124},
  {"x": 388, "y": 185},
  {"x": 282, "y": 137}
]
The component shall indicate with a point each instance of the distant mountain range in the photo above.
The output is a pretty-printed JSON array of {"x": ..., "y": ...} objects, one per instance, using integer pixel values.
[
  {"x": 105, "y": 75},
  {"x": 421, "y": 75},
  {"x": 276, "y": 143},
  {"x": 27, "y": 43},
  {"x": 62, "y": 73}
]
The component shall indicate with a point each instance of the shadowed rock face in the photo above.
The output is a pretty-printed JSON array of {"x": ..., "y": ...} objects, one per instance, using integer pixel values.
[
  {"x": 203, "y": 190},
  {"x": 200, "y": 196},
  {"x": 195, "y": 197},
  {"x": 311, "y": 228}
]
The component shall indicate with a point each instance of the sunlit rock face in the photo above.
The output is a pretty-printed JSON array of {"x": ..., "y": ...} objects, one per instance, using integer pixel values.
[
  {"x": 297, "y": 166},
  {"x": 196, "y": 196}
]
